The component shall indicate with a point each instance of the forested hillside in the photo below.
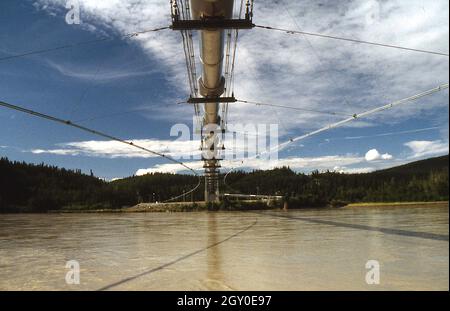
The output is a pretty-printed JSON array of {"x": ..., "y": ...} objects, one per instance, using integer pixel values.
[
  {"x": 419, "y": 181},
  {"x": 39, "y": 188}
]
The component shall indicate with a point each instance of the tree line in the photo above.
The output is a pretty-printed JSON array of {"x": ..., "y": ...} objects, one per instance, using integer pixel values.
[{"x": 40, "y": 188}]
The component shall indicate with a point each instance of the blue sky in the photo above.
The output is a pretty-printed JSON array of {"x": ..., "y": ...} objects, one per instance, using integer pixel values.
[{"x": 92, "y": 83}]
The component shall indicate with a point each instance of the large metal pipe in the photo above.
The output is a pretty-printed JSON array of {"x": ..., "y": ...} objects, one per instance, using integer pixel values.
[{"x": 211, "y": 82}]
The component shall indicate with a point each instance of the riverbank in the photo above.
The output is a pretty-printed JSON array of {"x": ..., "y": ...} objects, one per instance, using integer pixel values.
[
  {"x": 245, "y": 205},
  {"x": 397, "y": 204},
  {"x": 230, "y": 206},
  {"x": 179, "y": 207},
  {"x": 260, "y": 205}
]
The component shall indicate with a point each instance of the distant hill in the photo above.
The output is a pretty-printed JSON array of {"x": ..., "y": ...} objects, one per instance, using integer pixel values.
[
  {"x": 420, "y": 167},
  {"x": 39, "y": 188}
]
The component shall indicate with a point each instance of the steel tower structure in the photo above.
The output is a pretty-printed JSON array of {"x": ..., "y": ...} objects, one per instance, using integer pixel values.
[{"x": 211, "y": 18}]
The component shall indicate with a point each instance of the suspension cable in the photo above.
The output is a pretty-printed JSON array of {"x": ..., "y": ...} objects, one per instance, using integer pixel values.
[
  {"x": 296, "y": 32},
  {"x": 315, "y": 53},
  {"x": 68, "y": 46},
  {"x": 292, "y": 108},
  {"x": 227, "y": 61},
  {"x": 189, "y": 53},
  {"x": 101, "y": 134},
  {"x": 188, "y": 64},
  {"x": 340, "y": 123},
  {"x": 236, "y": 38},
  {"x": 231, "y": 51}
]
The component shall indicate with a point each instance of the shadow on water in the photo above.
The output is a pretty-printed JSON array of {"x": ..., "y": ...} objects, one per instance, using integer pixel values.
[
  {"x": 214, "y": 257},
  {"x": 414, "y": 234}
]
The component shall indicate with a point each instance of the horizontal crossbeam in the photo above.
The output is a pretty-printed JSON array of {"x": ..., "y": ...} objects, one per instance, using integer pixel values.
[
  {"x": 204, "y": 100},
  {"x": 212, "y": 24}
]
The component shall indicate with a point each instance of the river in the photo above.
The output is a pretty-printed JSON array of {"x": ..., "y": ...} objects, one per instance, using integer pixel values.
[{"x": 270, "y": 250}]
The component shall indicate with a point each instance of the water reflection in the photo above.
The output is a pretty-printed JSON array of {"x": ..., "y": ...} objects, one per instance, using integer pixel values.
[{"x": 214, "y": 274}]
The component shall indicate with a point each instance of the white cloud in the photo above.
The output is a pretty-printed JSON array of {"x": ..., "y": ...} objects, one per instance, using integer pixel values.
[
  {"x": 386, "y": 156},
  {"x": 278, "y": 68},
  {"x": 113, "y": 149},
  {"x": 305, "y": 72},
  {"x": 93, "y": 75},
  {"x": 179, "y": 148},
  {"x": 356, "y": 170},
  {"x": 299, "y": 71},
  {"x": 295, "y": 163},
  {"x": 425, "y": 148},
  {"x": 374, "y": 155},
  {"x": 63, "y": 152},
  {"x": 171, "y": 168}
]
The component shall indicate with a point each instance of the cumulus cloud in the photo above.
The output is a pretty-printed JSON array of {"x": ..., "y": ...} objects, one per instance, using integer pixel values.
[
  {"x": 374, "y": 155},
  {"x": 386, "y": 156},
  {"x": 425, "y": 148}
]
